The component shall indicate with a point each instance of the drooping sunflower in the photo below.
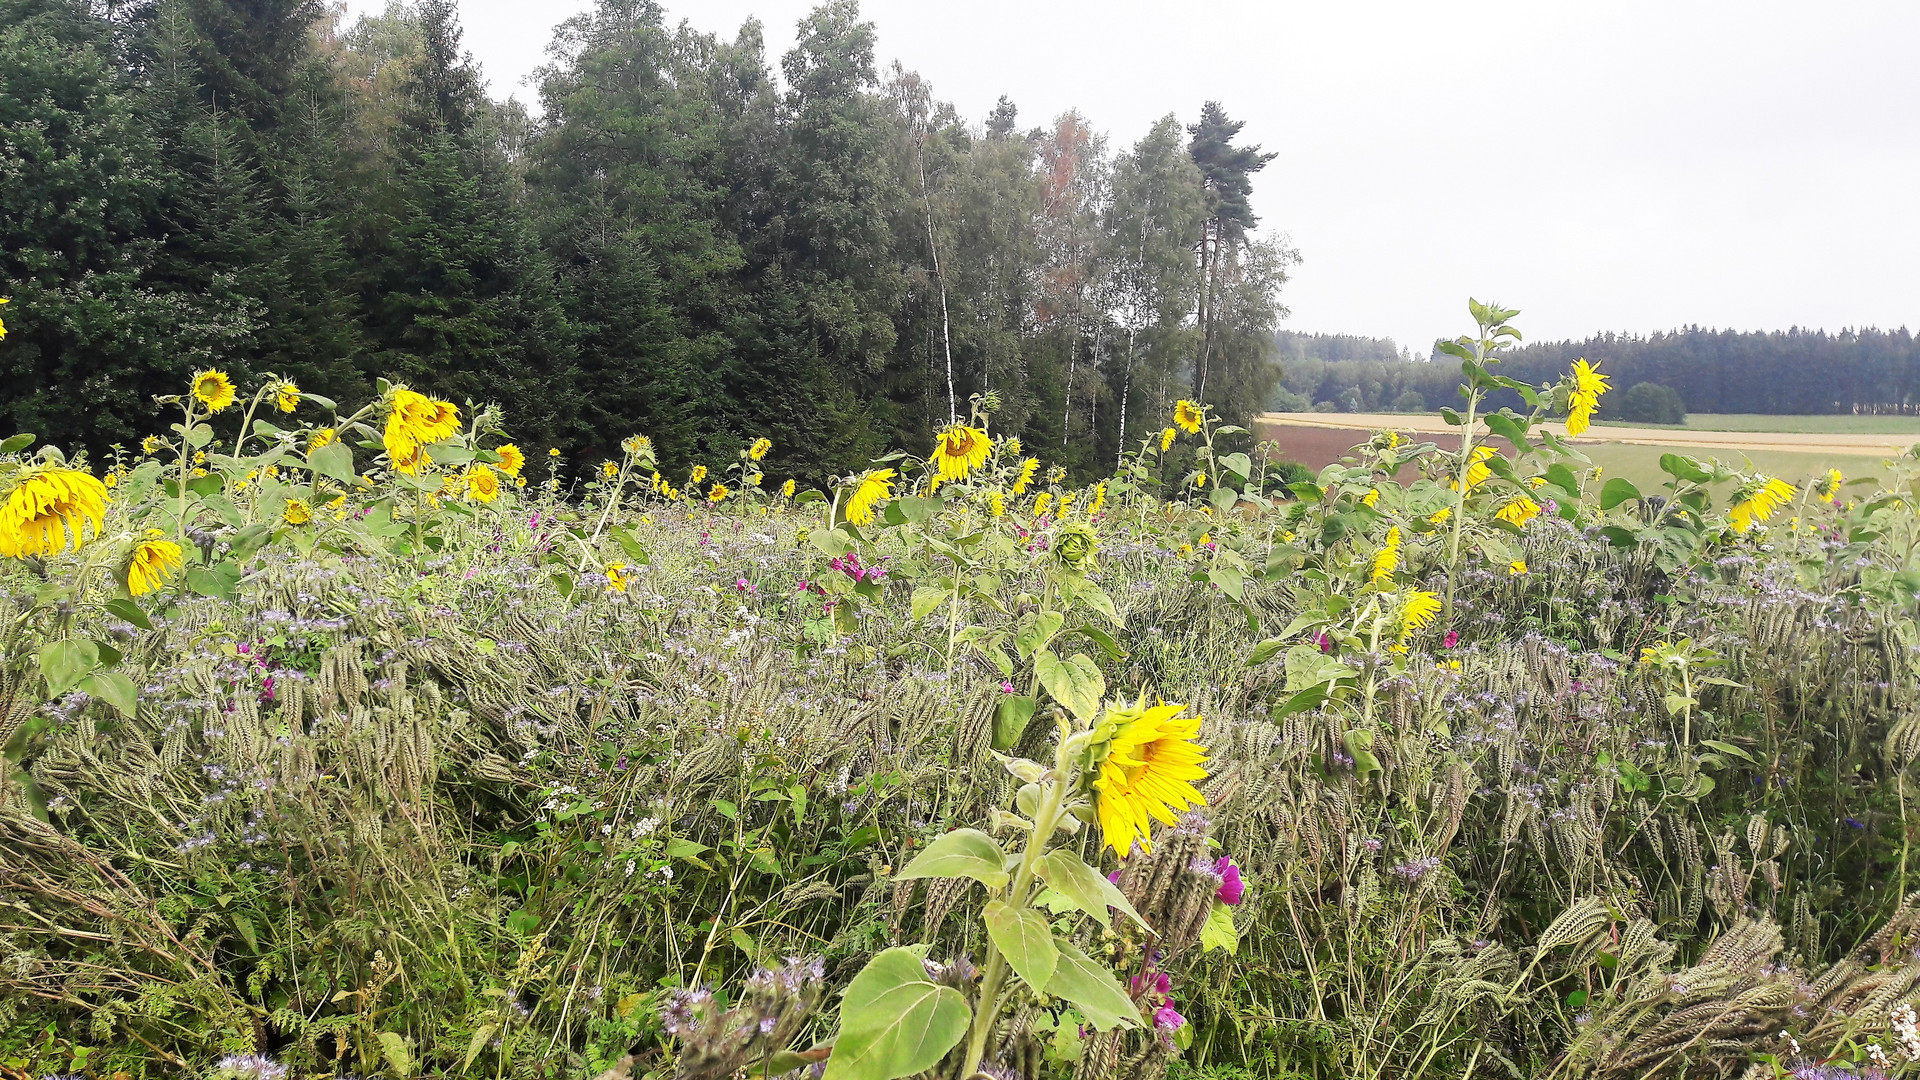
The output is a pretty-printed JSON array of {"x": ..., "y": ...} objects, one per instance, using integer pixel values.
[
  {"x": 1830, "y": 487},
  {"x": 1387, "y": 560},
  {"x": 1028, "y": 469},
  {"x": 1418, "y": 611},
  {"x": 415, "y": 420},
  {"x": 786, "y": 489},
  {"x": 1518, "y": 512},
  {"x": 959, "y": 450},
  {"x": 150, "y": 445},
  {"x": 1516, "y": 568},
  {"x": 636, "y": 444},
  {"x": 1041, "y": 502},
  {"x": 1151, "y": 759},
  {"x": 297, "y": 512},
  {"x": 321, "y": 437},
  {"x": 1188, "y": 416},
  {"x": 617, "y": 577},
  {"x": 698, "y": 474},
  {"x": 718, "y": 494},
  {"x": 760, "y": 448},
  {"x": 511, "y": 459},
  {"x": 609, "y": 469},
  {"x": 1371, "y": 498},
  {"x": 1588, "y": 385},
  {"x": 213, "y": 389},
  {"x": 286, "y": 396},
  {"x": 1009, "y": 446},
  {"x": 1760, "y": 501},
  {"x": 1099, "y": 499},
  {"x": 1166, "y": 439},
  {"x": 997, "y": 504},
  {"x": 875, "y": 487},
  {"x": 1477, "y": 469},
  {"x": 48, "y": 509},
  {"x": 483, "y": 484},
  {"x": 153, "y": 561}
]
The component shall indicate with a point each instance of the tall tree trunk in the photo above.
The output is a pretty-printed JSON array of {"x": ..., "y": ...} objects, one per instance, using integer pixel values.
[
  {"x": 933, "y": 246},
  {"x": 1126, "y": 388}
]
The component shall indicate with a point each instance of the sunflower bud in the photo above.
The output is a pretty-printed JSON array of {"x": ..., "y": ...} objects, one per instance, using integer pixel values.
[{"x": 1074, "y": 547}]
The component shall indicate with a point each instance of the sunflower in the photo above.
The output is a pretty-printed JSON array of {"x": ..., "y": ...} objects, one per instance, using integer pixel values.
[
  {"x": 959, "y": 450},
  {"x": 698, "y": 474},
  {"x": 718, "y": 494},
  {"x": 1477, "y": 469},
  {"x": 1041, "y": 502},
  {"x": 1417, "y": 612},
  {"x": 1830, "y": 487},
  {"x": 483, "y": 484},
  {"x": 1440, "y": 516},
  {"x": 635, "y": 444},
  {"x": 153, "y": 561},
  {"x": 1760, "y": 502},
  {"x": 875, "y": 487},
  {"x": 1147, "y": 772},
  {"x": 297, "y": 512},
  {"x": 617, "y": 577},
  {"x": 150, "y": 444},
  {"x": 323, "y": 437},
  {"x": 1518, "y": 512},
  {"x": 1099, "y": 499},
  {"x": 1027, "y": 470},
  {"x": 760, "y": 448},
  {"x": 553, "y": 451},
  {"x": 213, "y": 389},
  {"x": 609, "y": 469},
  {"x": 1188, "y": 416},
  {"x": 1516, "y": 567},
  {"x": 415, "y": 420},
  {"x": 511, "y": 459},
  {"x": 1388, "y": 558},
  {"x": 1588, "y": 385},
  {"x": 286, "y": 396},
  {"x": 997, "y": 504},
  {"x": 1166, "y": 439},
  {"x": 786, "y": 489},
  {"x": 49, "y": 507},
  {"x": 1371, "y": 497}
]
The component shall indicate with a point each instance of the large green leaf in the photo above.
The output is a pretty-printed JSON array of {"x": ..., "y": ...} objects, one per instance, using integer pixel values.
[
  {"x": 1067, "y": 874},
  {"x": 334, "y": 461},
  {"x": 1219, "y": 932},
  {"x": 1010, "y": 719},
  {"x": 894, "y": 1021},
  {"x": 1034, "y": 635},
  {"x": 1093, "y": 990},
  {"x": 113, "y": 688},
  {"x": 66, "y": 662},
  {"x": 1075, "y": 682},
  {"x": 927, "y": 600},
  {"x": 1617, "y": 490},
  {"x": 1025, "y": 939},
  {"x": 961, "y": 853}
]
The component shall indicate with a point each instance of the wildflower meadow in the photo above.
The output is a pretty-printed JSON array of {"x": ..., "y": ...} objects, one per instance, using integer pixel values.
[{"x": 372, "y": 743}]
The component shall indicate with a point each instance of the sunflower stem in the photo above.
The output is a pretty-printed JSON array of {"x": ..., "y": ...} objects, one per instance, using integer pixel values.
[{"x": 987, "y": 1010}]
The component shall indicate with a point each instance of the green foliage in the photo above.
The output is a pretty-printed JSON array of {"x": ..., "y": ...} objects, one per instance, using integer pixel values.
[{"x": 1651, "y": 403}]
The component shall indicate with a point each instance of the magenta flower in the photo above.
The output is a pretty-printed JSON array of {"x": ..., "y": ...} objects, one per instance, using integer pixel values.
[
  {"x": 1232, "y": 889},
  {"x": 1006, "y": 687},
  {"x": 1452, "y": 639},
  {"x": 1167, "y": 1020}
]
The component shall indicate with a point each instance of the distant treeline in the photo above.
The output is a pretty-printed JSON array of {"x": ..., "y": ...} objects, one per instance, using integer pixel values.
[
  {"x": 684, "y": 244},
  {"x": 1713, "y": 371}
]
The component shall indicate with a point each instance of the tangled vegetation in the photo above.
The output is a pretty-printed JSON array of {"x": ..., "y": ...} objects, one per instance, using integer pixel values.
[{"x": 355, "y": 745}]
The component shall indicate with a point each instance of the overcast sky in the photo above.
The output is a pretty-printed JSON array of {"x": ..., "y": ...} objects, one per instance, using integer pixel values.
[{"x": 1629, "y": 166}]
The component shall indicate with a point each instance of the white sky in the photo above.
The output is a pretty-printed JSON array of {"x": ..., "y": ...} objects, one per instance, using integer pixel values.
[{"x": 1631, "y": 165}]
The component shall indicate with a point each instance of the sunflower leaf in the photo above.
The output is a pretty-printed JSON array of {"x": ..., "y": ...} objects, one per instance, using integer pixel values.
[
  {"x": 1067, "y": 874},
  {"x": 961, "y": 853},
  {"x": 894, "y": 1021},
  {"x": 1092, "y": 988},
  {"x": 1075, "y": 682},
  {"x": 1025, "y": 939}
]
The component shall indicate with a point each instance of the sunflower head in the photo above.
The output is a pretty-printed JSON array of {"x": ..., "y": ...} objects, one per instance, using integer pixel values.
[
  {"x": 760, "y": 449},
  {"x": 1516, "y": 568},
  {"x": 511, "y": 459},
  {"x": 286, "y": 396},
  {"x": 1584, "y": 398},
  {"x": 1028, "y": 469},
  {"x": 414, "y": 421},
  {"x": 718, "y": 494},
  {"x": 152, "y": 561},
  {"x": 698, "y": 474},
  {"x": 1759, "y": 500},
  {"x": 48, "y": 510},
  {"x": 1166, "y": 439},
  {"x": 617, "y": 577},
  {"x": 1074, "y": 547},
  {"x": 1387, "y": 559},
  {"x": 786, "y": 489},
  {"x": 1188, "y": 416},
  {"x": 874, "y": 488},
  {"x": 1419, "y": 610},
  {"x": 1143, "y": 761},
  {"x": 959, "y": 450},
  {"x": 297, "y": 512},
  {"x": 483, "y": 484},
  {"x": 1830, "y": 486},
  {"x": 321, "y": 437},
  {"x": 1518, "y": 512},
  {"x": 213, "y": 389}
]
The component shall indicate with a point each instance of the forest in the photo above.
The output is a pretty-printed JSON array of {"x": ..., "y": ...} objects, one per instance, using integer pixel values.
[
  {"x": 1795, "y": 371},
  {"x": 683, "y": 241}
]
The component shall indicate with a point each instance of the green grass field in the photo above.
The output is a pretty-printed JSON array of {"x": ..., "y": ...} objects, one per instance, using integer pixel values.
[
  {"x": 1836, "y": 424},
  {"x": 1641, "y": 464}
]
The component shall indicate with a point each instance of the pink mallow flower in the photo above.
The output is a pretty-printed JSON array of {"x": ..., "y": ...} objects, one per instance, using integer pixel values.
[
  {"x": 1232, "y": 889},
  {"x": 1167, "y": 1020}
]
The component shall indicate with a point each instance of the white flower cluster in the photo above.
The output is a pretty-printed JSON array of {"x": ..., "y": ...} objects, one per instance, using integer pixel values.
[{"x": 1906, "y": 1028}]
